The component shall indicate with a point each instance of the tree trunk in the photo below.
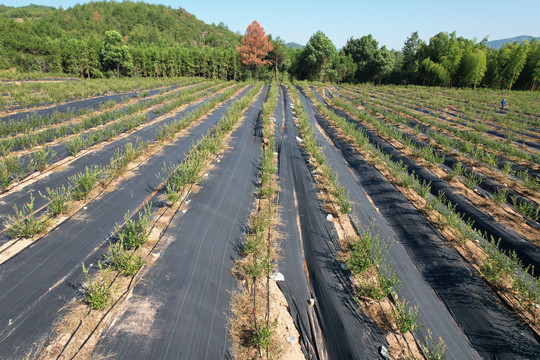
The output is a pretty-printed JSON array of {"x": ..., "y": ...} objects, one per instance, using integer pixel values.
[
  {"x": 511, "y": 82},
  {"x": 277, "y": 82}
]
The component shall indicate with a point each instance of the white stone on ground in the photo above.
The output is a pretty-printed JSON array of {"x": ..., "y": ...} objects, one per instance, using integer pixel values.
[{"x": 277, "y": 276}]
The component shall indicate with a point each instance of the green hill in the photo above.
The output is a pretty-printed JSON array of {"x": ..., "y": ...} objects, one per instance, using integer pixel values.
[
  {"x": 138, "y": 22},
  {"x": 30, "y": 11},
  {"x": 41, "y": 38}
]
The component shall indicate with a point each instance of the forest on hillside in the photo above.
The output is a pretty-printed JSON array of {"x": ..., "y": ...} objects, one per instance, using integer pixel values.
[{"x": 104, "y": 39}]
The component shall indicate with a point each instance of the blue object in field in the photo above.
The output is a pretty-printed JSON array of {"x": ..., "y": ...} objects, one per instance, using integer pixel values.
[{"x": 503, "y": 103}]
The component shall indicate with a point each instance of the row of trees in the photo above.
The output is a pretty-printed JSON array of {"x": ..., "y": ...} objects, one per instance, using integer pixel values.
[
  {"x": 446, "y": 60},
  {"x": 136, "y": 39},
  {"x": 107, "y": 38},
  {"x": 95, "y": 58}
]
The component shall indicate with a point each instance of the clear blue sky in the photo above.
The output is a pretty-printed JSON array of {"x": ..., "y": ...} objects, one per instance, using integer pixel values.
[{"x": 390, "y": 22}]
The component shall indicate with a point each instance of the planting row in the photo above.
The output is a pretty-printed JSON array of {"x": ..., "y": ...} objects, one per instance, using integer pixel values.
[
  {"x": 470, "y": 139},
  {"x": 522, "y": 106},
  {"x": 506, "y": 264},
  {"x": 29, "y": 94},
  {"x": 30, "y": 122},
  {"x": 81, "y": 184},
  {"x": 15, "y": 167},
  {"x": 470, "y": 177}
]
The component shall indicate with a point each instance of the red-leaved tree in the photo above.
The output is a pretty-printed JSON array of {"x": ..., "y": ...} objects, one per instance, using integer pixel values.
[{"x": 255, "y": 46}]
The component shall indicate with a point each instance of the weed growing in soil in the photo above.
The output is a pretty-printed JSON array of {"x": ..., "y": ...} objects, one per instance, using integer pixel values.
[{"x": 432, "y": 350}]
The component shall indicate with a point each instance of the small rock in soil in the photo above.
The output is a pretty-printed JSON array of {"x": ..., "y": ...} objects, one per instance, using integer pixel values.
[
  {"x": 277, "y": 276},
  {"x": 291, "y": 339},
  {"x": 384, "y": 353}
]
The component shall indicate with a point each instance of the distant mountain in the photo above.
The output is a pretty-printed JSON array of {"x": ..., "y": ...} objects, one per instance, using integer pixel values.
[
  {"x": 294, "y": 45},
  {"x": 496, "y": 44},
  {"x": 30, "y": 11}
]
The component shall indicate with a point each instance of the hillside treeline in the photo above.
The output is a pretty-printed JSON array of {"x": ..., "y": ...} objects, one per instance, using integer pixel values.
[
  {"x": 445, "y": 60},
  {"x": 136, "y": 39},
  {"x": 160, "y": 41}
]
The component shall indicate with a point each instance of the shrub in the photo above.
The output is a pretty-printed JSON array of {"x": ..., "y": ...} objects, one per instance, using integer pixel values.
[
  {"x": 507, "y": 169},
  {"x": 500, "y": 196},
  {"x": 497, "y": 265},
  {"x": 472, "y": 179},
  {"x": 122, "y": 260},
  {"x": 457, "y": 170},
  {"x": 98, "y": 293},
  {"x": 406, "y": 317},
  {"x": 262, "y": 335},
  {"x": 58, "y": 200},
  {"x": 5, "y": 176},
  {"x": 84, "y": 182},
  {"x": 24, "y": 224},
  {"x": 135, "y": 233},
  {"x": 41, "y": 156},
  {"x": 365, "y": 252},
  {"x": 172, "y": 192},
  {"x": 75, "y": 145}
]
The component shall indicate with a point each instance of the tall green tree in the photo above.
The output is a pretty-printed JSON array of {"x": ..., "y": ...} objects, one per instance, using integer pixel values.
[
  {"x": 278, "y": 54},
  {"x": 345, "y": 68},
  {"x": 446, "y": 52},
  {"x": 365, "y": 52},
  {"x": 473, "y": 66},
  {"x": 383, "y": 63},
  {"x": 529, "y": 78},
  {"x": 434, "y": 73},
  {"x": 510, "y": 62},
  {"x": 317, "y": 56},
  {"x": 115, "y": 53},
  {"x": 410, "y": 64}
]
